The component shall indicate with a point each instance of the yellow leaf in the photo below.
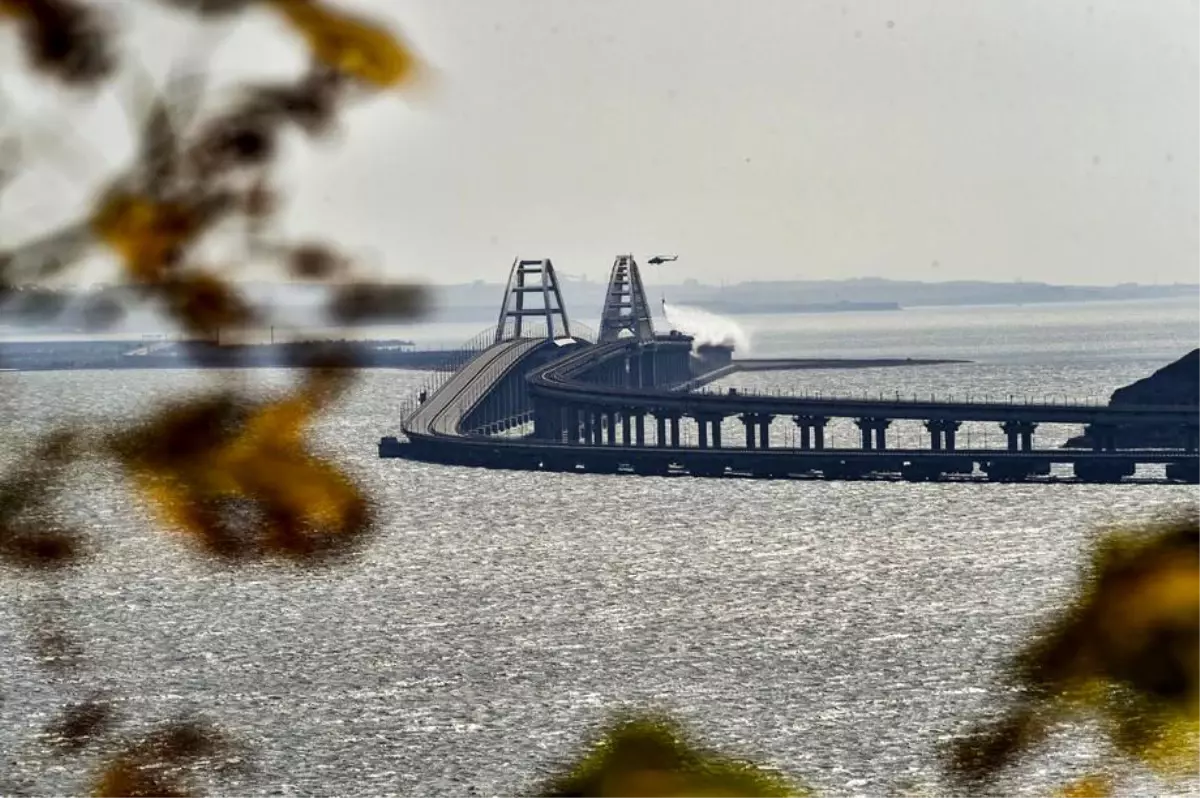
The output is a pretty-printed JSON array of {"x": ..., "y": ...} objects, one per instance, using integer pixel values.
[
  {"x": 146, "y": 235},
  {"x": 350, "y": 45},
  {"x": 650, "y": 757},
  {"x": 284, "y": 500}
]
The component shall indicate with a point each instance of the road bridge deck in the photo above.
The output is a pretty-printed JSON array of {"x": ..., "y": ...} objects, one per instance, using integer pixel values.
[{"x": 443, "y": 413}]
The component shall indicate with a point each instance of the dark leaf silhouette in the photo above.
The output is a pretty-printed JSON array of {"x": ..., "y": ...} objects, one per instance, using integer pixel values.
[
  {"x": 63, "y": 39},
  {"x": 376, "y": 302},
  {"x": 80, "y": 724}
]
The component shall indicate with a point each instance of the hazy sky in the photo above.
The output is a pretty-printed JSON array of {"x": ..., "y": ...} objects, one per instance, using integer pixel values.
[{"x": 765, "y": 139}]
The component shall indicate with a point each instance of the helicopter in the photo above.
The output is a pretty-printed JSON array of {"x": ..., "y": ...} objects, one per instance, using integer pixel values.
[{"x": 658, "y": 260}]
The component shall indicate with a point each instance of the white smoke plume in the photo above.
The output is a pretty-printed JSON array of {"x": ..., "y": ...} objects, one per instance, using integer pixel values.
[{"x": 707, "y": 328}]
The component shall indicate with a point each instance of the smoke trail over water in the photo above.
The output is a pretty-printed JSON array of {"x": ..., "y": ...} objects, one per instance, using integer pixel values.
[{"x": 707, "y": 328}]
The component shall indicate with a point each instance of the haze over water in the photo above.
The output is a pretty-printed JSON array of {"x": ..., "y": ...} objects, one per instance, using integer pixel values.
[{"x": 837, "y": 630}]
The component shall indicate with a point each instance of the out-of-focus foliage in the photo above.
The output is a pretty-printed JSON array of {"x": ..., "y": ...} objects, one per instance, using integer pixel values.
[
  {"x": 154, "y": 766},
  {"x": 80, "y": 724},
  {"x": 1126, "y": 650},
  {"x": 651, "y": 756},
  {"x": 236, "y": 475},
  {"x": 27, "y": 538},
  {"x": 239, "y": 480},
  {"x": 64, "y": 39},
  {"x": 351, "y": 45}
]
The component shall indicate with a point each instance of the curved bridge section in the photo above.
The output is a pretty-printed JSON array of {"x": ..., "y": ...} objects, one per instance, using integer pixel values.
[
  {"x": 444, "y": 413},
  {"x": 631, "y": 404}
]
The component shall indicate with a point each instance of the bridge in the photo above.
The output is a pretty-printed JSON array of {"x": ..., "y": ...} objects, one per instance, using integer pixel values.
[{"x": 543, "y": 395}]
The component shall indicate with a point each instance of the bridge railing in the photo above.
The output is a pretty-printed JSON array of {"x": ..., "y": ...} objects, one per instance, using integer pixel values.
[
  {"x": 973, "y": 398},
  {"x": 503, "y": 425},
  {"x": 459, "y": 357}
]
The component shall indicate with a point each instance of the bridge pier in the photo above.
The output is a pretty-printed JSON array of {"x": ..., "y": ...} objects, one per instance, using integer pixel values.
[
  {"x": 579, "y": 423},
  {"x": 1020, "y": 435},
  {"x": 812, "y": 431},
  {"x": 610, "y": 419},
  {"x": 758, "y": 430},
  {"x": 1104, "y": 437},
  {"x": 709, "y": 426},
  {"x": 660, "y": 424},
  {"x": 640, "y": 425},
  {"x": 626, "y": 428},
  {"x": 942, "y": 433},
  {"x": 547, "y": 421},
  {"x": 874, "y": 433},
  {"x": 1191, "y": 437}
]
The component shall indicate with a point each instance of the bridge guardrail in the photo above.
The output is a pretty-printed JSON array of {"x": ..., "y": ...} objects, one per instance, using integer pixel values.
[{"x": 1050, "y": 400}]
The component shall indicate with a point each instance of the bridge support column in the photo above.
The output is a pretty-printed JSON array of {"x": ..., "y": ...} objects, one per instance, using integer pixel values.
[
  {"x": 749, "y": 420},
  {"x": 626, "y": 428},
  {"x": 812, "y": 431},
  {"x": 1020, "y": 435},
  {"x": 541, "y": 420},
  {"x": 710, "y": 429},
  {"x": 547, "y": 421},
  {"x": 675, "y": 431},
  {"x": 579, "y": 424},
  {"x": 611, "y": 420},
  {"x": 1104, "y": 437},
  {"x": 660, "y": 429},
  {"x": 597, "y": 427},
  {"x": 640, "y": 426},
  {"x": 942, "y": 433},
  {"x": 874, "y": 433},
  {"x": 764, "y": 430}
]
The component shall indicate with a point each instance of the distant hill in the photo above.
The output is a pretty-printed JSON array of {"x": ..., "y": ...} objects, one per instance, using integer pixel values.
[
  {"x": 299, "y": 304},
  {"x": 480, "y": 301}
]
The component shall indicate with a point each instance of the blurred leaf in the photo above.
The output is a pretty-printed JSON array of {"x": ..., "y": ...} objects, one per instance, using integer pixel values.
[
  {"x": 202, "y": 303},
  {"x": 245, "y": 137},
  {"x": 313, "y": 261},
  {"x": 200, "y": 462},
  {"x": 80, "y": 724},
  {"x": 27, "y": 539},
  {"x": 649, "y": 756},
  {"x": 149, "y": 237},
  {"x": 1127, "y": 649},
  {"x": 349, "y": 44},
  {"x": 151, "y": 767},
  {"x": 211, "y": 7},
  {"x": 64, "y": 39},
  {"x": 354, "y": 303}
]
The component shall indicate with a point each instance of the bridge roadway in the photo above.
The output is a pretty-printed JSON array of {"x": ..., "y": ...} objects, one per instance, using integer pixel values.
[{"x": 443, "y": 413}]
